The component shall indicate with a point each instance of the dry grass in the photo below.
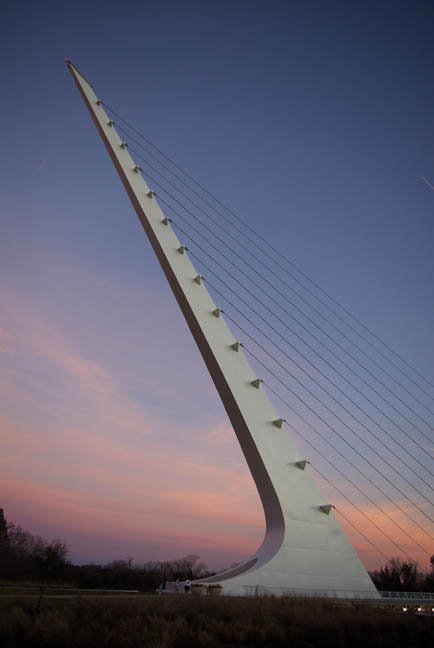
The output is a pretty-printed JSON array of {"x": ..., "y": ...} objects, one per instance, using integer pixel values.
[{"x": 178, "y": 621}]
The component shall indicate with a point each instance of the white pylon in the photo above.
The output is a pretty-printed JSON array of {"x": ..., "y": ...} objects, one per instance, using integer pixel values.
[{"x": 304, "y": 551}]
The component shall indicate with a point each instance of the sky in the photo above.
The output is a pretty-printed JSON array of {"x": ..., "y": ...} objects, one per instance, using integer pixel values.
[{"x": 315, "y": 122}]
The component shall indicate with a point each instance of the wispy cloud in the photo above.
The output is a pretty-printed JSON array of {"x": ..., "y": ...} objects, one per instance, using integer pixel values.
[{"x": 428, "y": 183}]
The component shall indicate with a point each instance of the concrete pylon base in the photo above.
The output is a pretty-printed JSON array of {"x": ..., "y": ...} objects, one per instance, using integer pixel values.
[{"x": 314, "y": 558}]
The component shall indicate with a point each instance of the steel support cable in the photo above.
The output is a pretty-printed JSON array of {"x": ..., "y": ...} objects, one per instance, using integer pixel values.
[
  {"x": 282, "y": 351},
  {"x": 309, "y": 332},
  {"x": 300, "y": 272},
  {"x": 372, "y": 501},
  {"x": 282, "y": 366},
  {"x": 276, "y": 251},
  {"x": 306, "y": 343},
  {"x": 379, "y": 366},
  {"x": 354, "y": 359},
  {"x": 279, "y": 292},
  {"x": 362, "y": 512},
  {"x": 313, "y": 428},
  {"x": 370, "y": 464},
  {"x": 309, "y": 362},
  {"x": 328, "y": 409},
  {"x": 353, "y": 465},
  {"x": 312, "y": 364},
  {"x": 350, "y": 481},
  {"x": 362, "y": 534}
]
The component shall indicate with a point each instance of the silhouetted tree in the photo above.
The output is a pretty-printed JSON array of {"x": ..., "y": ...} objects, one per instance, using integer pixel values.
[
  {"x": 429, "y": 580},
  {"x": 24, "y": 556},
  {"x": 53, "y": 560},
  {"x": 4, "y": 543},
  {"x": 398, "y": 575},
  {"x": 4, "y": 540}
]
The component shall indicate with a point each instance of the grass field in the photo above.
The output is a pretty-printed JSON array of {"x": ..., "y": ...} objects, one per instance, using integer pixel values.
[{"x": 149, "y": 621}]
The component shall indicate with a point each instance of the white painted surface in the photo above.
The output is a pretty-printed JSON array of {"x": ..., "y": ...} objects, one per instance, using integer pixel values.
[{"x": 304, "y": 549}]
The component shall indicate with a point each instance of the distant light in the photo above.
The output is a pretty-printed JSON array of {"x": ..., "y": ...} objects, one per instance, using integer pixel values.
[
  {"x": 419, "y": 609},
  {"x": 405, "y": 608}
]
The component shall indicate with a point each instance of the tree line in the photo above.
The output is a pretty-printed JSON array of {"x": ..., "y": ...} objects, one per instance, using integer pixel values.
[
  {"x": 26, "y": 558},
  {"x": 404, "y": 576}
]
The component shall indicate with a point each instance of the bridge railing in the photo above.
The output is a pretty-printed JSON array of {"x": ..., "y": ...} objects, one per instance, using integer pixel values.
[
  {"x": 383, "y": 596},
  {"x": 407, "y": 595},
  {"x": 259, "y": 590}
]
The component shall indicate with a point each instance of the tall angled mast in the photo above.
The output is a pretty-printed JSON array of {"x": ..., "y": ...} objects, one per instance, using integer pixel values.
[{"x": 304, "y": 547}]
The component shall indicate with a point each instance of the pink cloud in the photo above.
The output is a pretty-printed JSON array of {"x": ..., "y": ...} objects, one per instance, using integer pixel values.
[
  {"x": 6, "y": 342},
  {"x": 378, "y": 538}
]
